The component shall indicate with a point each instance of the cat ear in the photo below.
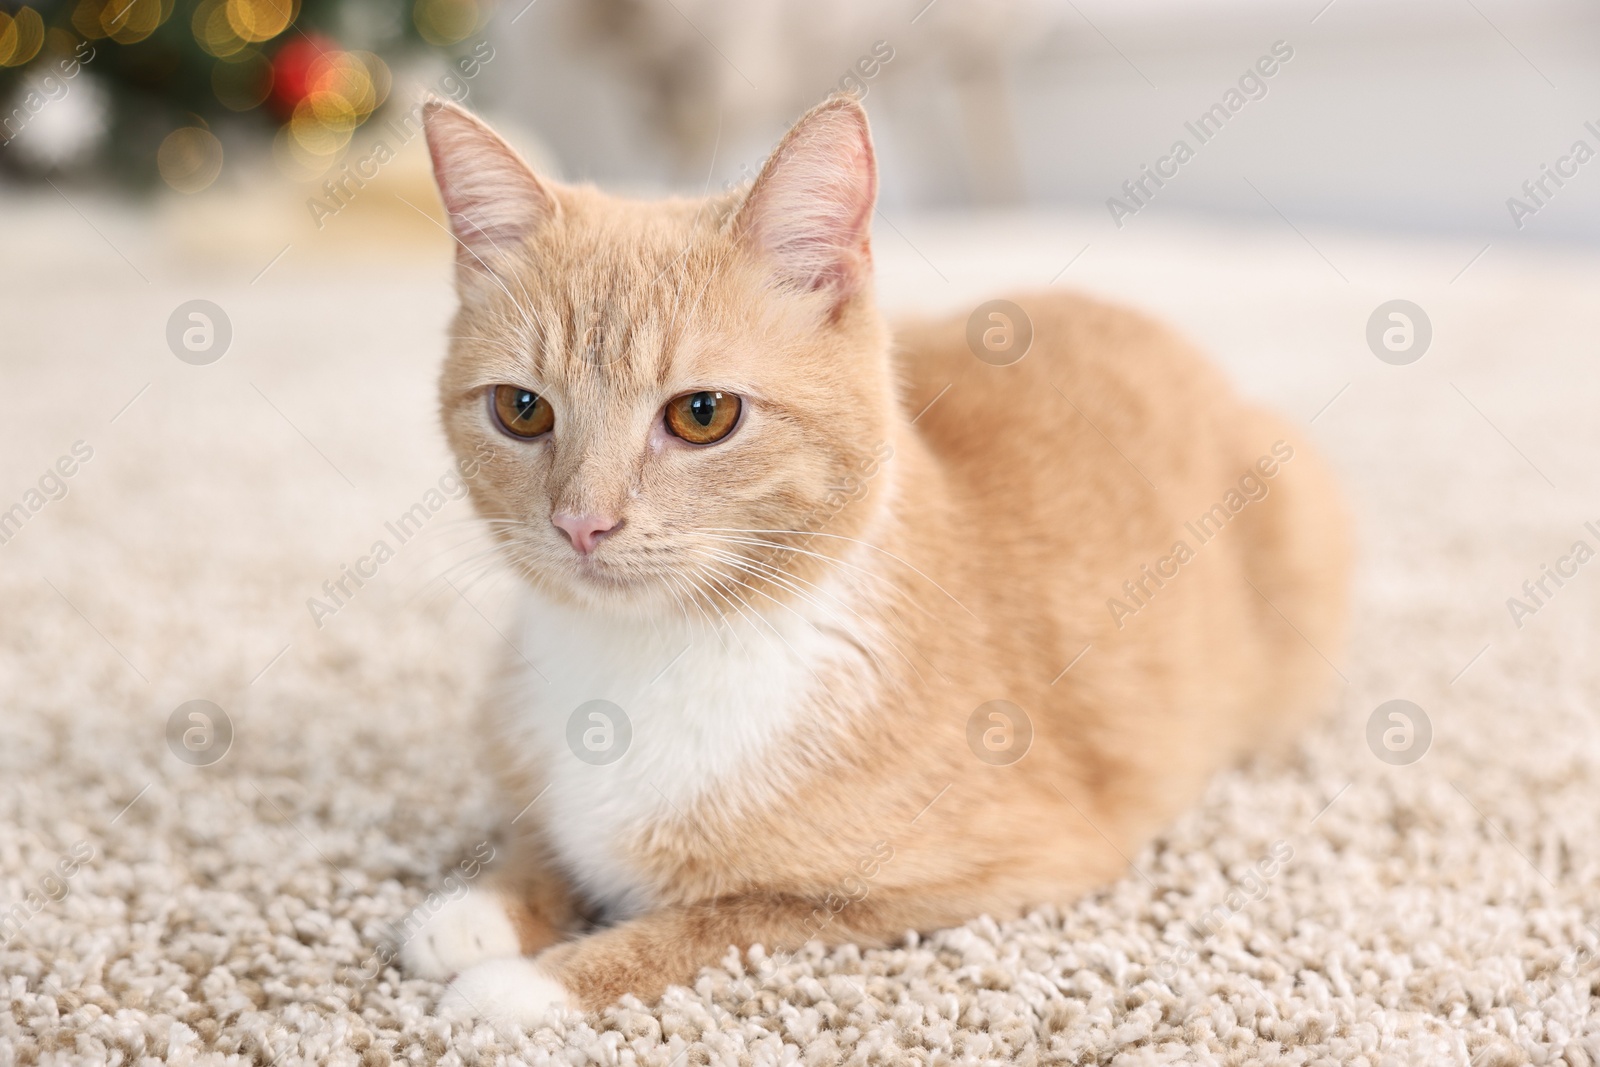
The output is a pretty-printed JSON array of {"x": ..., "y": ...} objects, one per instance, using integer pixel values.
[
  {"x": 809, "y": 212},
  {"x": 492, "y": 197}
]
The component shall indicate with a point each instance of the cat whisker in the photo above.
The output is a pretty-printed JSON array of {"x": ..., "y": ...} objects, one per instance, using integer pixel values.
[
  {"x": 489, "y": 552},
  {"x": 688, "y": 589},
  {"x": 497, "y": 346},
  {"x": 786, "y": 582},
  {"x": 740, "y": 605},
  {"x": 890, "y": 619},
  {"x": 721, "y": 576},
  {"x": 782, "y": 547},
  {"x": 884, "y": 588},
  {"x": 856, "y": 541},
  {"x": 780, "y": 582},
  {"x": 715, "y": 619},
  {"x": 534, "y": 331},
  {"x": 776, "y": 576},
  {"x": 677, "y": 597},
  {"x": 812, "y": 623},
  {"x": 459, "y": 584}
]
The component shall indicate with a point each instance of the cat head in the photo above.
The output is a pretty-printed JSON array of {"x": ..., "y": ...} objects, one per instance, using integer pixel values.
[{"x": 687, "y": 403}]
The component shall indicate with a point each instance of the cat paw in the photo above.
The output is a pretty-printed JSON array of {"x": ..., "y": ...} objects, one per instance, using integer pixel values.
[
  {"x": 464, "y": 932},
  {"x": 512, "y": 992}
]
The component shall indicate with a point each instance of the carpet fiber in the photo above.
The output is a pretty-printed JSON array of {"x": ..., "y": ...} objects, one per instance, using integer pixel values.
[{"x": 1443, "y": 911}]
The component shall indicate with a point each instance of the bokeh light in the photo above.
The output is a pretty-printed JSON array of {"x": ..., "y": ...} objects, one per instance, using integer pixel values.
[
  {"x": 190, "y": 158},
  {"x": 242, "y": 81},
  {"x": 21, "y": 37},
  {"x": 312, "y": 88},
  {"x": 326, "y": 93},
  {"x": 444, "y": 22},
  {"x": 255, "y": 21},
  {"x": 131, "y": 21},
  {"x": 86, "y": 19},
  {"x": 212, "y": 30}
]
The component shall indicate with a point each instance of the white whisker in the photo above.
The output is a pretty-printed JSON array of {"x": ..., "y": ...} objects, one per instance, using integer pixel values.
[{"x": 852, "y": 540}]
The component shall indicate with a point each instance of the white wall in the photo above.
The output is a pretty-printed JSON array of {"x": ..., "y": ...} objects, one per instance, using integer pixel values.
[{"x": 1424, "y": 116}]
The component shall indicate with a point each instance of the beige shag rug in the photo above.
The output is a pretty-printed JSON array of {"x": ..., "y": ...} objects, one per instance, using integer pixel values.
[{"x": 1446, "y": 911}]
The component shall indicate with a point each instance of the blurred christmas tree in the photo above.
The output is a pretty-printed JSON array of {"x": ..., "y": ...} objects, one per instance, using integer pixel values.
[{"x": 149, "y": 90}]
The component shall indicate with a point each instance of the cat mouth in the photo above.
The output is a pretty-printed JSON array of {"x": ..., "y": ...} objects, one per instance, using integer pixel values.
[
  {"x": 604, "y": 575},
  {"x": 591, "y": 573}
]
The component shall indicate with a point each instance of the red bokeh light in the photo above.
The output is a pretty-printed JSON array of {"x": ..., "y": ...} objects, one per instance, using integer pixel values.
[{"x": 294, "y": 69}]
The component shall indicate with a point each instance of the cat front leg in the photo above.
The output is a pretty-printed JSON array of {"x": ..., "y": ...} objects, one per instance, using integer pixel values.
[
  {"x": 643, "y": 956},
  {"x": 502, "y": 919}
]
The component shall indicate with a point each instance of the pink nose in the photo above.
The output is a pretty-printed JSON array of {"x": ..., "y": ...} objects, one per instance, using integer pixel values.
[{"x": 584, "y": 531}]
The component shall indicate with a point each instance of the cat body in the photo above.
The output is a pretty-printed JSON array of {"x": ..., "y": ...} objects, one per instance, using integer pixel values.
[{"x": 919, "y": 638}]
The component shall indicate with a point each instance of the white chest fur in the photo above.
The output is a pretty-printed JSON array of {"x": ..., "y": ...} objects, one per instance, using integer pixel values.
[{"x": 710, "y": 713}]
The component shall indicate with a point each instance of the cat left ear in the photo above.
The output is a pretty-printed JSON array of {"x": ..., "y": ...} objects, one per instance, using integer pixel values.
[
  {"x": 494, "y": 200},
  {"x": 809, "y": 212}
]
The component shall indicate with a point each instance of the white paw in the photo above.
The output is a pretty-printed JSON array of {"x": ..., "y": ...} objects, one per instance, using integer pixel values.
[
  {"x": 514, "y": 992},
  {"x": 465, "y": 931}
]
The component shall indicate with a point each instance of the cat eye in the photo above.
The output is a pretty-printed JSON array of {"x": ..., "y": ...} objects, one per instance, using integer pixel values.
[
  {"x": 521, "y": 412},
  {"x": 702, "y": 418}
]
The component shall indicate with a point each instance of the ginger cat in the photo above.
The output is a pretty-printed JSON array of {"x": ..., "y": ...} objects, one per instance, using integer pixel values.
[{"x": 781, "y": 561}]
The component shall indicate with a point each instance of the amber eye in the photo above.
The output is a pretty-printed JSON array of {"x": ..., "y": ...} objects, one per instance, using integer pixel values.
[
  {"x": 702, "y": 418},
  {"x": 521, "y": 412}
]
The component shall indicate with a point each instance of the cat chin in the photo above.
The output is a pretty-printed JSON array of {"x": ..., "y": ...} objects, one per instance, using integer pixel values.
[{"x": 607, "y": 594}]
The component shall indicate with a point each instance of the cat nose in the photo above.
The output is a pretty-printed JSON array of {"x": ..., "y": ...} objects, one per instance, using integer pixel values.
[{"x": 584, "y": 531}]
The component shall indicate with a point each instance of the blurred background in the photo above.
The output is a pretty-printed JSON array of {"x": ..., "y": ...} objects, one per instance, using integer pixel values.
[{"x": 1425, "y": 116}]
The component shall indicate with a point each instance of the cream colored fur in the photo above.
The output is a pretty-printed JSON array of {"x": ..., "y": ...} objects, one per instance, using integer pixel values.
[
  {"x": 689, "y": 746},
  {"x": 895, "y": 535}
]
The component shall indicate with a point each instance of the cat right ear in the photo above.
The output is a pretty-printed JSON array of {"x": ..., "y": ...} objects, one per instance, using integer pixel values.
[
  {"x": 809, "y": 212},
  {"x": 493, "y": 198}
]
